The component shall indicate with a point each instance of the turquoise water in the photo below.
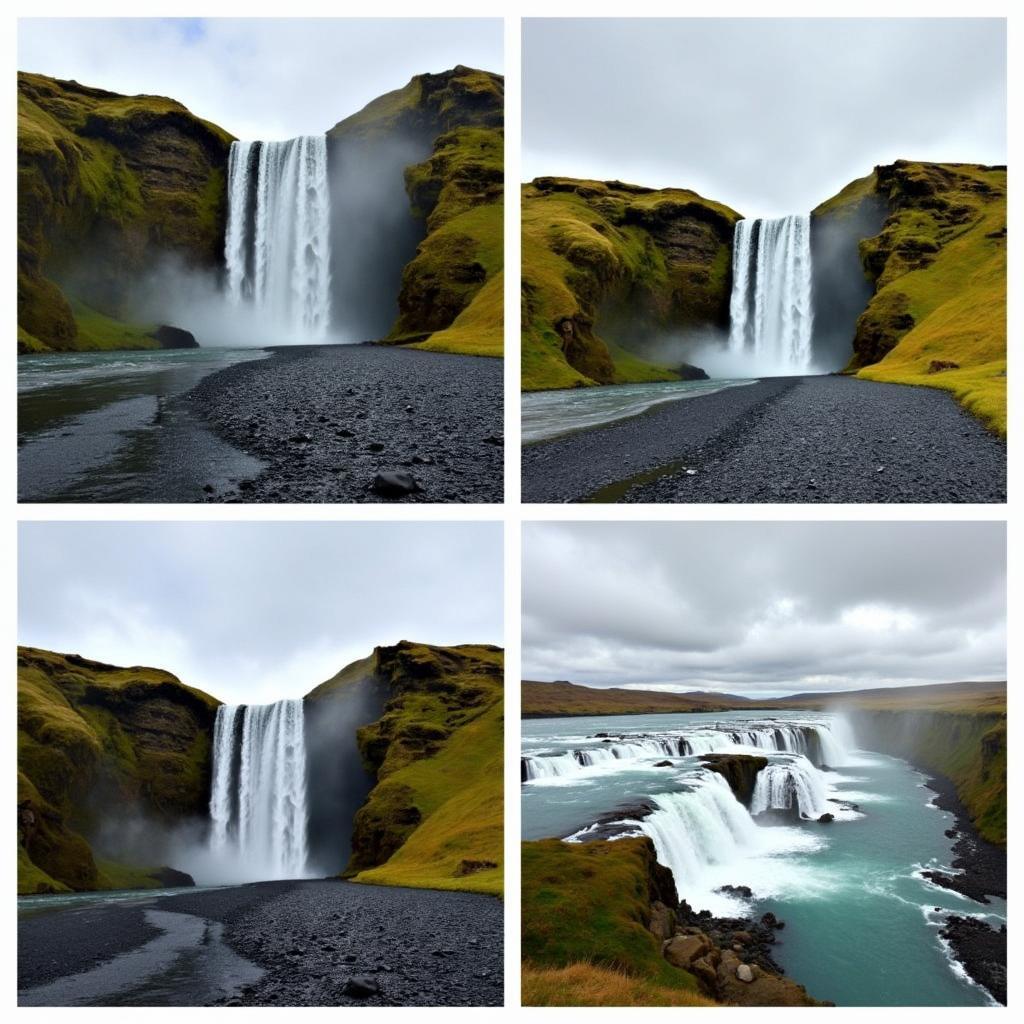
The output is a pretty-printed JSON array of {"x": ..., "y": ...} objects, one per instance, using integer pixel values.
[{"x": 861, "y": 925}]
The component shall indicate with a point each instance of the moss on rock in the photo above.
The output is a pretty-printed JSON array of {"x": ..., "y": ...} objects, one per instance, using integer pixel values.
[
  {"x": 434, "y": 817},
  {"x": 610, "y": 267},
  {"x": 106, "y": 185},
  {"x": 91, "y": 736},
  {"x": 939, "y": 272},
  {"x": 447, "y": 297}
]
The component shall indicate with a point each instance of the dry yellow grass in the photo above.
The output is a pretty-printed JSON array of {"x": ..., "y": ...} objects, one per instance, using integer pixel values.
[{"x": 583, "y": 984}]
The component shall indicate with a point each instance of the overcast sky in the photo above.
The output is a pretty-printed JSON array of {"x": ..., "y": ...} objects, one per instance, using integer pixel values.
[
  {"x": 259, "y": 78},
  {"x": 764, "y": 609},
  {"x": 255, "y": 612},
  {"x": 770, "y": 116}
]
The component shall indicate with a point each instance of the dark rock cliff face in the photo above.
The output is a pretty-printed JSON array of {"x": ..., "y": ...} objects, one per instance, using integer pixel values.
[
  {"x": 841, "y": 285},
  {"x": 739, "y": 770},
  {"x": 98, "y": 747},
  {"x": 405, "y": 170},
  {"x": 334, "y": 713},
  {"x": 107, "y": 186}
]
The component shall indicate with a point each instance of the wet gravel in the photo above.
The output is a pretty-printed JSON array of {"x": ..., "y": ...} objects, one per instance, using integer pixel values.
[
  {"x": 795, "y": 439},
  {"x": 326, "y": 421},
  {"x": 319, "y": 943}
]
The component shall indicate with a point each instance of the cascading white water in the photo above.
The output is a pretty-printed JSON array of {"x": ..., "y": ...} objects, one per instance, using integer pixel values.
[
  {"x": 258, "y": 809},
  {"x": 791, "y": 784},
  {"x": 277, "y": 242},
  {"x": 770, "y": 310}
]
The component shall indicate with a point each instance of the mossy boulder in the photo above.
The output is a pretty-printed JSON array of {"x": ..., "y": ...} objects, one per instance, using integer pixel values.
[
  {"x": 91, "y": 737},
  {"x": 455, "y": 194},
  {"x": 937, "y": 273},
  {"x": 107, "y": 185},
  {"x": 609, "y": 269},
  {"x": 434, "y": 816}
]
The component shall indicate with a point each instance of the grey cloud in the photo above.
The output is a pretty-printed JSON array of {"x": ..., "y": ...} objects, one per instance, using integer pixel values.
[
  {"x": 766, "y": 607},
  {"x": 255, "y": 611},
  {"x": 769, "y": 116},
  {"x": 259, "y": 78}
]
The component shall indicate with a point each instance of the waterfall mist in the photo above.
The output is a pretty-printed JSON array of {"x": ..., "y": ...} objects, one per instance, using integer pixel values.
[{"x": 374, "y": 231}]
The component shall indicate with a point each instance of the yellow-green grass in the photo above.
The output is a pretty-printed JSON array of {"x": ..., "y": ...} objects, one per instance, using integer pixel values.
[
  {"x": 98, "y": 332},
  {"x": 459, "y": 793},
  {"x": 479, "y": 330},
  {"x": 958, "y": 301},
  {"x": 434, "y": 818},
  {"x": 590, "y": 903},
  {"x": 585, "y": 984}
]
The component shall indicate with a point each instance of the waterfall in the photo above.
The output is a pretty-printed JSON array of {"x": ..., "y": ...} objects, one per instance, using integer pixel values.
[
  {"x": 793, "y": 784},
  {"x": 277, "y": 242},
  {"x": 258, "y": 808},
  {"x": 770, "y": 308}
]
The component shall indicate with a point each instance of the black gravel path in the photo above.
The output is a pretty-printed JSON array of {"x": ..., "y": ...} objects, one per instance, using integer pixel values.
[
  {"x": 792, "y": 439},
  {"x": 326, "y": 420},
  {"x": 312, "y": 943}
]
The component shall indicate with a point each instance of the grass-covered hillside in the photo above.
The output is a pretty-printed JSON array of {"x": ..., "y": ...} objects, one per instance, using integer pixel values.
[
  {"x": 587, "y": 910},
  {"x": 434, "y": 818},
  {"x": 562, "y": 699},
  {"x": 957, "y": 730},
  {"x": 938, "y": 313},
  {"x": 106, "y": 184},
  {"x": 97, "y": 744},
  {"x": 451, "y": 291},
  {"x": 609, "y": 268}
]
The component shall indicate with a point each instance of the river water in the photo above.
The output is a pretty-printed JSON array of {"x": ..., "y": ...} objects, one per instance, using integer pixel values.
[
  {"x": 103, "y": 426},
  {"x": 547, "y": 414},
  {"x": 862, "y": 925}
]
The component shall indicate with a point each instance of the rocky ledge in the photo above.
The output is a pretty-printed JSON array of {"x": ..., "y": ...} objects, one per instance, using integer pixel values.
[{"x": 731, "y": 958}]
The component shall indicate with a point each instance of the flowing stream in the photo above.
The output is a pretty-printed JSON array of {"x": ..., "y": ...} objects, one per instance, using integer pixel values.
[{"x": 862, "y": 924}]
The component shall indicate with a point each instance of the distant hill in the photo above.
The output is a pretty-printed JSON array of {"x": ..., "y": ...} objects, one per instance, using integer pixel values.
[{"x": 562, "y": 699}]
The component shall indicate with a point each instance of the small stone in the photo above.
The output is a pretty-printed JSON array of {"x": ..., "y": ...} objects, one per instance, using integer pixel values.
[
  {"x": 375, "y": 446},
  {"x": 394, "y": 484},
  {"x": 360, "y": 988},
  {"x": 744, "y": 973}
]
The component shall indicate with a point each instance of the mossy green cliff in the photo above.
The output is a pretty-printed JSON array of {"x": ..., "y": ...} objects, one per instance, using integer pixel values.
[
  {"x": 609, "y": 268},
  {"x": 95, "y": 743},
  {"x": 937, "y": 315},
  {"x": 451, "y": 291},
  {"x": 107, "y": 184},
  {"x": 434, "y": 817}
]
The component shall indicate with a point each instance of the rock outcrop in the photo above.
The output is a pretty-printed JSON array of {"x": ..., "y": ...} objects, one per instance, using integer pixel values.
[
  {"x": 434, "y": 812},
  {"x": 107, "y": 186},
  {"x": 935, "y": 269},
  {"x": 739, "y": 770},
  {"x": 98, "y": 745},
  {"x": 435, "y": 149},
  {"x": 610, "y": 270}
]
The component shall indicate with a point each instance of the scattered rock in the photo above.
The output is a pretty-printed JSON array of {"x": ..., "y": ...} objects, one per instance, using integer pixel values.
[
  {"x": 938, "y": 365},
  {"x": 826, "y": 818},
  {"x": 744, "y": 973},
  {"x": 682, "y": 950},
  {"x": 174, "y": 337},
  {"x": 663, "y": 764},
  {"x": 736, "y": 890},
  {"x": 394, "y": 484},
  {"x": 360, "y": 988}
]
